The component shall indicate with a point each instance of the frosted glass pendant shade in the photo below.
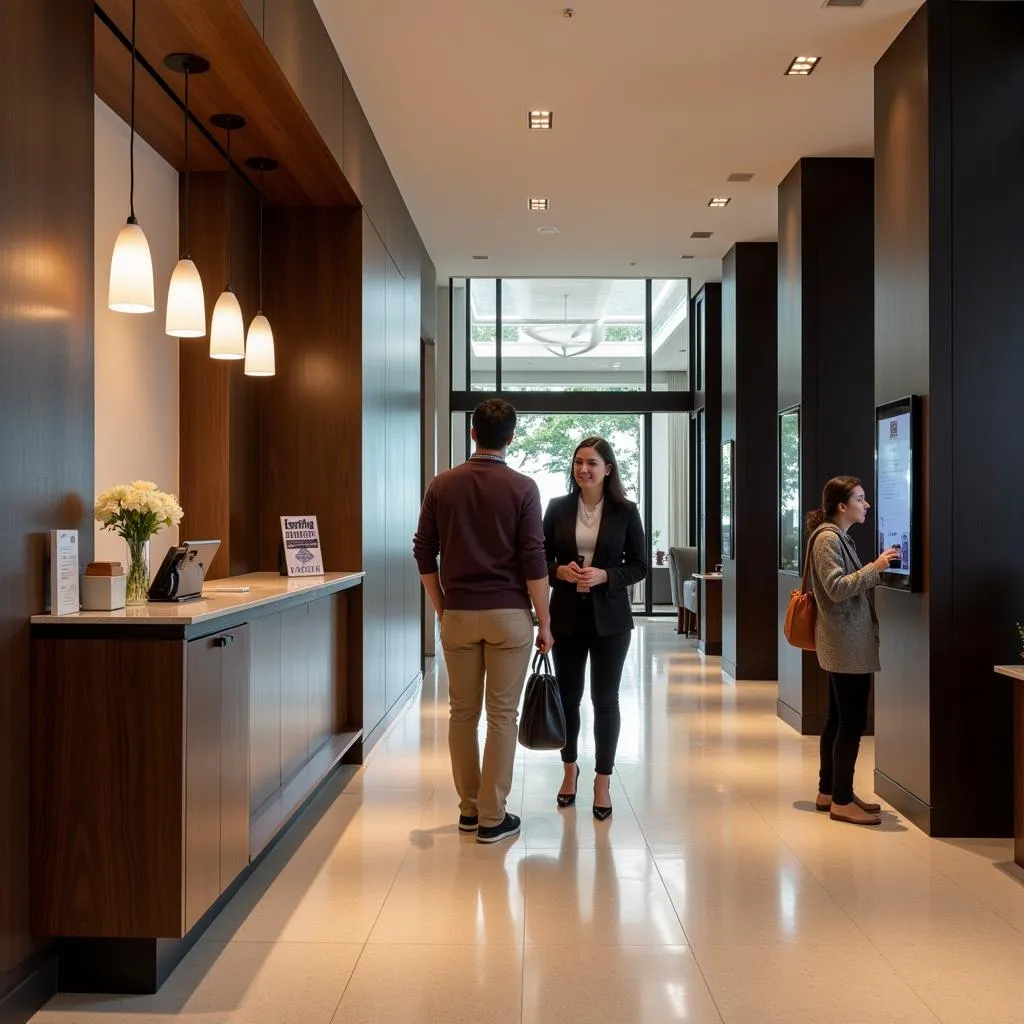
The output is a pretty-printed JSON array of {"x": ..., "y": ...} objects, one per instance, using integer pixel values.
[
  {"x": 227, "y": 332},
  {"x": 131, "y": 272},
  {"x": 259, "y": 348},
  {"x": 186, "y": 305}
]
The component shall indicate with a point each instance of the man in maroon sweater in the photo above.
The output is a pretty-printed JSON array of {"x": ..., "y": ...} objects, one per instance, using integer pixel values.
[{"x": 485, "y": 520}]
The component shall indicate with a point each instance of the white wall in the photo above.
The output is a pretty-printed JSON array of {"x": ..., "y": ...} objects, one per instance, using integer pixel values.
[{"x": 136, "y": 363}]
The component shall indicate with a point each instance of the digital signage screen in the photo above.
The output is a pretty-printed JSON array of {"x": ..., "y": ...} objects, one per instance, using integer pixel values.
[{"x": 897, "y": 476}]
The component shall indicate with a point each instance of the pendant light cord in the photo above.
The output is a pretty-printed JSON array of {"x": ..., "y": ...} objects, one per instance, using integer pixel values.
[
  {"x": 131, "y": 142},
  {"x": 188, "y": 169},
  {"x": 228, "y": 180},
  {"x": 260, "y": 310}
]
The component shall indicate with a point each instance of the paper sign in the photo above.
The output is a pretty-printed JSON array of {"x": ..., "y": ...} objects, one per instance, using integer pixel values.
[
  {"x": 63, "y": 572},
  {"x": 300, "y": 537}
]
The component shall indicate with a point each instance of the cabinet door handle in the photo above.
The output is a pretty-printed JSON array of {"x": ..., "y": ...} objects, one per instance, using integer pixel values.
[{"x": 224, "y": 641}]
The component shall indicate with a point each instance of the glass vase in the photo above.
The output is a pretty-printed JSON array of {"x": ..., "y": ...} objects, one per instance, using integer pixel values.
[{"x": 137, "y": 584}]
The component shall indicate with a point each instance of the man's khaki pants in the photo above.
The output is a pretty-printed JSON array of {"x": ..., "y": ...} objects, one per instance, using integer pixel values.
[{"x": 487, "y": 654}]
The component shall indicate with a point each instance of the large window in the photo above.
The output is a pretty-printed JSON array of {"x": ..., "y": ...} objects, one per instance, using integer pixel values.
[{"x": 580, "y": 357}]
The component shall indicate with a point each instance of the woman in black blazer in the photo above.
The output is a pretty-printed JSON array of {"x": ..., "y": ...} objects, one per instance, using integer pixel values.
[{"x": 596, "y": 550}]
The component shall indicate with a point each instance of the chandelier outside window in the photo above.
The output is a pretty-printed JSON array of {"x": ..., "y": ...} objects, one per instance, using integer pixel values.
[{"x": 568, "y": 338}]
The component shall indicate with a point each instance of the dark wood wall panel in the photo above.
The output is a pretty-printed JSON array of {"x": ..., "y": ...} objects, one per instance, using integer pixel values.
[
  {"x": 46, "y": 376},
  {"x": 826, "y": 366},
  {"x": 219, "y": 415},
  {"x": 950, "y": 223},
  {"x": 311, "y": 409},
  {"x": 749, "y": 333}
]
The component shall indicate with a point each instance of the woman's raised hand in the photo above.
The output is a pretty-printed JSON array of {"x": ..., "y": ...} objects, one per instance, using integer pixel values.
[{"x": 881, "y": 563}]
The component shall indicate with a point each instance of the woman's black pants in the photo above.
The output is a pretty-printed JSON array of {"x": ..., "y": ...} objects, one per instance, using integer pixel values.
[
  {"x": 607, "y": 656},
  {"x": 840, "y": 740}
]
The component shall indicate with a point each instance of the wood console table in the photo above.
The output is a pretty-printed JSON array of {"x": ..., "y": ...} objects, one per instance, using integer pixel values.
[
  {"x": 710, "y": 612},
  {"x": 1016, "y": 673},
  {"x": 170, "y": 743}
]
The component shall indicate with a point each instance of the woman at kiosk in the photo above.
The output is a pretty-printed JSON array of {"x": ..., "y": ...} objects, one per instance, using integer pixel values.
[{"x": 846, "y": 641}]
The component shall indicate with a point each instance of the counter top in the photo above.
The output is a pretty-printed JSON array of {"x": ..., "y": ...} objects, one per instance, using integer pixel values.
[
  {"x": 1013, "y": 671},
  {"x": 264, "y": 588}
]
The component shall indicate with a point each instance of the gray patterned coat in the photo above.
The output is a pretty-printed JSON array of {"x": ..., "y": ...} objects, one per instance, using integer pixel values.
[{"x": 846, "y": 630}]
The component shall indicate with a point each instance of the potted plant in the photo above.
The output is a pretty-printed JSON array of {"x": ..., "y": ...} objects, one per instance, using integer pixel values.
[{"x": 135, "y": 512}]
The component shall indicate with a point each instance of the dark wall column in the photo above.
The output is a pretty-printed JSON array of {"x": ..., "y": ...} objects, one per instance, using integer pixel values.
[
  {"x": 949, "y": 226},
  {"x": 749, "y": 332},
  {"x": 46, "y": 397},
  {"x": 826, "y": 369},
  {"x": 707, "y": 374}
]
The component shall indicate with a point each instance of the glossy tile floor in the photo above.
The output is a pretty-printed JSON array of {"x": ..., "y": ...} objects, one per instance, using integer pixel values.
[{"x": 715, "y": 893}]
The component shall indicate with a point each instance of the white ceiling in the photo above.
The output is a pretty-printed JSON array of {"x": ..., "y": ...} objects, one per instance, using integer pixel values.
[{"x": 656, "y": 102}]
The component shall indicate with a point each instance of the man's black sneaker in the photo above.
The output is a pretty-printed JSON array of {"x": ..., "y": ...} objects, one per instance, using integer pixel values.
[
  {"x": 494, "y": 833},
  {"x": 467, "y": 822}
]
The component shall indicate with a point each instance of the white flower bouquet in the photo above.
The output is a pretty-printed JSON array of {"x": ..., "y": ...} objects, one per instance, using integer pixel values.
[{"x": 137, "y": 511}]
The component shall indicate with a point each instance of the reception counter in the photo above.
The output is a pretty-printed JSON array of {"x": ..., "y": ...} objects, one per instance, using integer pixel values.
[
  {"x": 170, "y": 744},
  {"x": 1016, "y": 673}
]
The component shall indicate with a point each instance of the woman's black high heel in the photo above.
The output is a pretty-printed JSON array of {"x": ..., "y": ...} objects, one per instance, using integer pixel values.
[
  {"x": 602, "y": 813},
  {"x": 568, "y": 799}
]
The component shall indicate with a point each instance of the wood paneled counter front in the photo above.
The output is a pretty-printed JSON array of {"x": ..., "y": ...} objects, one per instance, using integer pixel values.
[
  {"x": 170, "y": 743},
  {"x": 1016, "y": 673}
]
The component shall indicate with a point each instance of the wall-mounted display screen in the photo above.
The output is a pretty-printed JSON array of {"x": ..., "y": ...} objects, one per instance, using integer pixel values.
[
  {"x": 789, "y": 490},
  {"x": 897, "y": 475},
  {"x": 728, "y": 464}
]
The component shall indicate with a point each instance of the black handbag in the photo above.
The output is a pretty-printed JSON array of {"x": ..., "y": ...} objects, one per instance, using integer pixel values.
[{"x": 542, "y": 723}]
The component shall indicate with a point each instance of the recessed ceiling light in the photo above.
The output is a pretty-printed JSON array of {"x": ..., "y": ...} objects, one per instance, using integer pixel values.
[
  {"x": 740, "y": 176},
  {"x": 718, "y": 202},
  {"x": 615, "y": 366},
  {"x": 481, "y": 257},
  {"x": 548, "y": 230},
  {"x": 539, "y": 204},
  {"x": 700, "y": 234},
  {"x": 843, "y": 3},
  {"x": 686, "y": 257},
  {"x": 802, "y": 65},
  {"x": 540, "y": 120}
]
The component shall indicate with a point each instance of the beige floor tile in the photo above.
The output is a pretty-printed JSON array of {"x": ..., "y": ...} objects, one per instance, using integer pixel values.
[
  {"x": 791, "y": 984},
  {"x": 410, "y": 984},
  {"x": 238, "y": 983},
  {"x": 599, "y": 897},
  {"x": 743, "y": 900},
  {"x": 632, "y": 985},
  {"x": 965, "y": 982}
]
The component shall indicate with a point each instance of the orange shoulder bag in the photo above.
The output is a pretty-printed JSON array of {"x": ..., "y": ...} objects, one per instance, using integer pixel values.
[{"x": 802, "y": 610}]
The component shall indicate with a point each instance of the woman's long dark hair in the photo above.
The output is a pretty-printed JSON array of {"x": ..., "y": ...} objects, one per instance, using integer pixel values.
[
  {"x": 613, "y": 490},
  {"x": 837, "y": 492}
]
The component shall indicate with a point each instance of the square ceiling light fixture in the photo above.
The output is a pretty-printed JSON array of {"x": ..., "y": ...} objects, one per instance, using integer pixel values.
[
  {"x": 802, "y": 65},
  {"x": 540, "y": 120},
  {"x": 539, "y": 204},
  {"x": 719, "y": 202},
  {"x": 700, "y": 234}
]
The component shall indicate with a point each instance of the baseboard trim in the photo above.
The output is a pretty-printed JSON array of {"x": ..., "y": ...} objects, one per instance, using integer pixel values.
[
  {"x": 32, "y": 985},
  {"x": 358, "y": 752},
  {"x": 805, "y": 725},
  {"x": 910, "y": 806}
]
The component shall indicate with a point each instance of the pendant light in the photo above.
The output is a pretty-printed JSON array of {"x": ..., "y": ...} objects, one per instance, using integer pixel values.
[
  {"x": 259, "y": 344},
  {"x": 227, "y": 330},
  {"x": 186, "y": 304},
  {"x": 131, "y": 265}
]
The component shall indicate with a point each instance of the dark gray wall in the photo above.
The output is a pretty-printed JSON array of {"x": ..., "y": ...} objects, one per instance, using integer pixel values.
[
  {"x": 949, "y": 208},
  {"x": 826, "y": 367},
  {"x": 749, "y": 332},
  {"x": 46, "y": 395}
]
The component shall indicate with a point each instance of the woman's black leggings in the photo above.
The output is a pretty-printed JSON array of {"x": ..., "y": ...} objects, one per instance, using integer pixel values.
[
  {"x": 607, "y": 656},
  {"x": 840, "y": 739}
]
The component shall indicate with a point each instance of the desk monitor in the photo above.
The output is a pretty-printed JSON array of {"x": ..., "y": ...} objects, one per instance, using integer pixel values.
[{"x": 184, "y": 568}]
